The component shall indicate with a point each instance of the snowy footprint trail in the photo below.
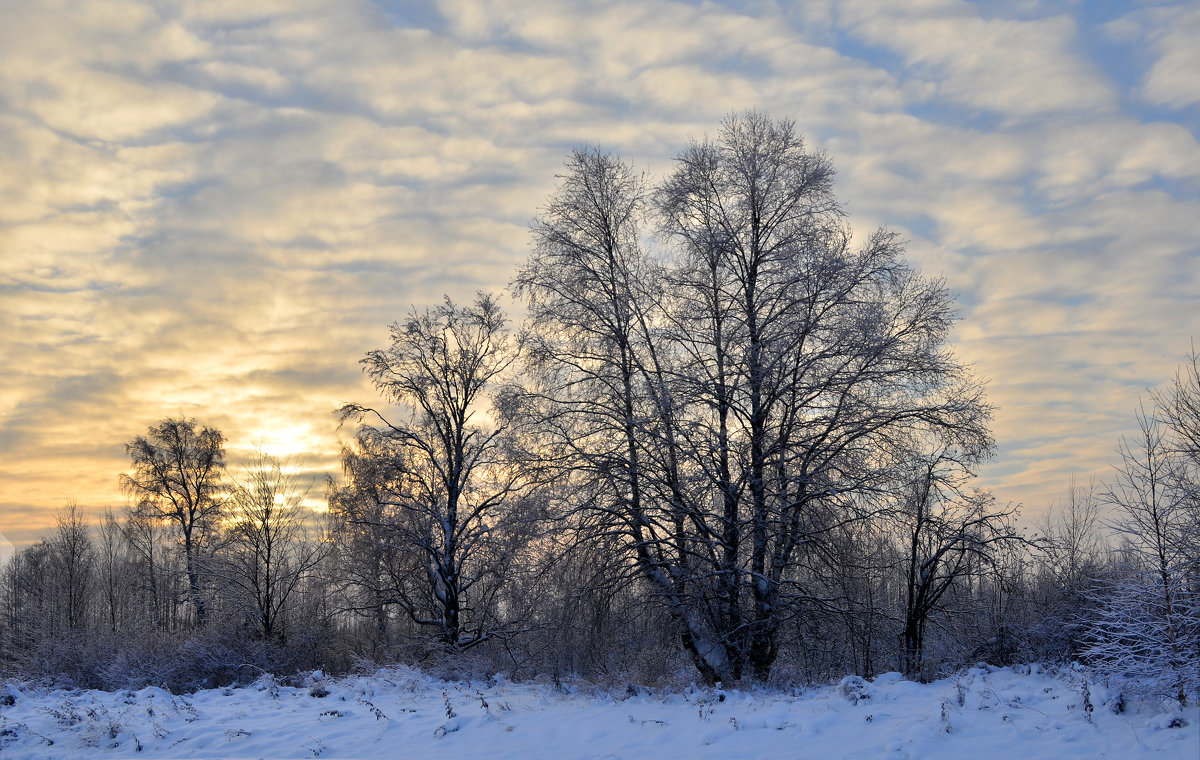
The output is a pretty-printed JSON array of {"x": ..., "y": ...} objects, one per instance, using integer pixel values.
[{"x": 400, "y": 712}]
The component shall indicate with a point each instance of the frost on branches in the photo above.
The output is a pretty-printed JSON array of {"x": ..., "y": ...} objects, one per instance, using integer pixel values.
[{"x": 1146, "y": 625}]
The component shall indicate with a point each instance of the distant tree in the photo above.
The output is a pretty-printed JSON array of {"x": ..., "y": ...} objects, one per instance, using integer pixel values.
[
  {"x": 143, "y": 536},
  {"x": 48, "y": 591},
  {"x": 1177, "y": 409},
  {"x": 1074, "y": 554},
  {"x": 859, "y": 563},
  {"x": 178, "y": 468},
  {"x": 449, "y": 486},
  {"x": 26, "y": 599},
  {"x": 1073, "y": 543},
  {"x": 368, "y": 561},
  {"x": 73, "y": 558},
  {"x": 947, "y": 534},
  {"x": 116, "y": 574},
  {"x": 1147, "y": 619},
  {"x": 270, "y": 548}
]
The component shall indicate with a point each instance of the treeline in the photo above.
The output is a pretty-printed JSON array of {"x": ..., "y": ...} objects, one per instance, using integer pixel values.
[{"x": 726, "y": 440}]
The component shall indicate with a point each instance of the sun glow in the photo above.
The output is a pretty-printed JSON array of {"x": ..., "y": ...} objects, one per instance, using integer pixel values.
[
  {"x": 286, "y": 441},
  {"x": 303, "y": 453}
]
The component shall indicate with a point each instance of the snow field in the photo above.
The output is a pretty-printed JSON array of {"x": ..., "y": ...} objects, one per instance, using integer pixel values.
[{"x": 399, "y": 712}]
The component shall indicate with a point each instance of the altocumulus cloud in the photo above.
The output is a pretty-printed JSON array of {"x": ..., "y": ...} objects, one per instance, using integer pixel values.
[{"x": 215, "y": 208}]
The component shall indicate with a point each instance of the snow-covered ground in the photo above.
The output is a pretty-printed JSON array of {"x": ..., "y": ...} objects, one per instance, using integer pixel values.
[{"x": 403, "y": 713}]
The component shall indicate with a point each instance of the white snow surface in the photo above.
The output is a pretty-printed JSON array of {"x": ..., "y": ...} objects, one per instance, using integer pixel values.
[{"x": 401, "y": 712}]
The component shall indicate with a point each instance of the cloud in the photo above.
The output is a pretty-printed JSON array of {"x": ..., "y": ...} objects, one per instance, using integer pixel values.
[
  {"x": 215, "y": 209},
  {"x": 1017, "y": 68},
  {"x": 1171, "y": 32}
]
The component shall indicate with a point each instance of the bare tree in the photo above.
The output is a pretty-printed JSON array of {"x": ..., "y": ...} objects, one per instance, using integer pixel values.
[
  {"x": 1073, "y": 556},
  {"x": 47, "y": 594},
  {"x": 451, "y": 484},
  {"x": 73, "y": 559},
  {"x": 1177, "y": 409},
  {"x": 1147, "y": 622},
  {"x": 733, "y": 394},
  {"x": 817, "y": 360},
  {"x": 1073, "y": 544},
  {"x": 270, "y": 547},
  {"x": 26, "y": 598},
  {"x": 367, "y": 560},
  {"x": 947, "y": 535},
  {"x": 177, "y": 478},
  {"x": 111, "y": 567},
  {"x": 143, "y": 535},
  {"x": 598, "y": 386}
]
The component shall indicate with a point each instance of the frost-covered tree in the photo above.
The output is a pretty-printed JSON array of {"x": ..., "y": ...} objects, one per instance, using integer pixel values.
[
  {"x": 448, "y": 485},
  {"x": 25, "y": 599},
  {"x": 739, "y": 391},
  {"x": 598, "y": 389},
  {"x": 946, "y": 534},
  {"x": 1177, "y": 408},
  {"x": 178, "y": 467},
  {"x": 73, "y": 563},
  {"x": 270, "y": 547},
  {"x": 1147, "y": 619},
  {"x": 1074, "y": 554},
  {"x": 368, "y": 562}
]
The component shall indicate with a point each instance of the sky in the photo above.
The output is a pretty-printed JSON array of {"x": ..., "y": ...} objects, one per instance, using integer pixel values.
[{"x": 214, "y": 209}]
